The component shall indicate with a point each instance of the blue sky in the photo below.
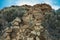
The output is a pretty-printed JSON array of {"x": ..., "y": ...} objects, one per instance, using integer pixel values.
[{"x": 5, "y": 3}]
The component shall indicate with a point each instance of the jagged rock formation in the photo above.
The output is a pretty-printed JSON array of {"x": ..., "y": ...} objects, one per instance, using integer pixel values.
[
  {"x": 29, "y": 27},
  {"x": 43, "y": 7}
]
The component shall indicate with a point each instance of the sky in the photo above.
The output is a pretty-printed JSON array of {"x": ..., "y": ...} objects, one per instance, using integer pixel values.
[{"x": 6, "y": 3}]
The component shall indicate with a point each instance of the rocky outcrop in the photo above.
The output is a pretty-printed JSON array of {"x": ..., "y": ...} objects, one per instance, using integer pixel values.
[{"x": 29, "y": 26}]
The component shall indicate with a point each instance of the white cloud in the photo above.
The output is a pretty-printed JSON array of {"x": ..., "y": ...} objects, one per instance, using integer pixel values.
[
  {"x": 25, "y": 3},
  {"x": 55, "y": 7},
  {"x": 29, "y": 2},
  {"x": 50, "y": 2}
]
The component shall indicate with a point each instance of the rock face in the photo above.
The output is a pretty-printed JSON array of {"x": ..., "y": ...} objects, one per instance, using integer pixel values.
[
  {"x": 43, "y": 7},
  {"x": 29, "y": 26}
]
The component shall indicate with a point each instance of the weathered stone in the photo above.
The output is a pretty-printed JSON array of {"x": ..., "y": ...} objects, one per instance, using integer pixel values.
[
  {"x": 29, "y": 38},
  {"x": 33, "y": 32},
  {"x": 16, "y": 21},
  {"x": 38, "y": 33},
  {"x": 29, "y": 26},
  {"x": 37, "y": 38}
]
